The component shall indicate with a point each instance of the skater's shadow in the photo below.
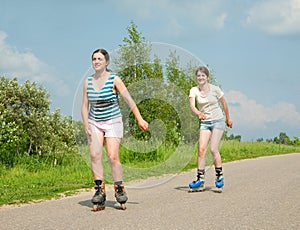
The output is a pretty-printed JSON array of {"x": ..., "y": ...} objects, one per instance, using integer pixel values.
[
  {"x": 108, "y": 203},
  {"x": 88, "y": 203},
  {"x": 182, "y": 188},
  {"x": 186, "y": 188}
]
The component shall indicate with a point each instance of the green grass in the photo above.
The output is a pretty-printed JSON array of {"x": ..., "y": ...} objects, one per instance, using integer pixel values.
[
  {"x": 36, "y": 181},
  {"x": 234, "y": 150},
  {"x": 22, "y": 184}
]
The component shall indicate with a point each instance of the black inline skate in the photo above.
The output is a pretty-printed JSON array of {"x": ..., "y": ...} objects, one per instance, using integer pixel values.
[
  {"x": 99, "y": 198},
  {"x": 121, "y": 195}
]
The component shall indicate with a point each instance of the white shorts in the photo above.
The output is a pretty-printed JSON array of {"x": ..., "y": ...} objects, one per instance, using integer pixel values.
[{"x": 109, "y": 128}]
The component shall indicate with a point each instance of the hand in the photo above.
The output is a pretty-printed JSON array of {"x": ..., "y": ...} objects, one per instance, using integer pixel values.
[
  {"x": 143, "y": 125},
  {"x": 88, "y": 131},
  {"x": 229, "y": 123},
  {"x": 201, "y": 116}
]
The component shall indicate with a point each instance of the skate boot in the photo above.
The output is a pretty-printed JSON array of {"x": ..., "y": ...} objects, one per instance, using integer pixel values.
[
  {"x": 99, "y": 198},
  {"x": 198, "y": 185},
  {"x": 121, "y": 195},
  {"x": 219, "y": 182}
]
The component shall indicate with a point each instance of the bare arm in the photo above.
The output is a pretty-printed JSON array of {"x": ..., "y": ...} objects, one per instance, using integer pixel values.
[
  {"x": 200, "y": 115},
  {"x": 120, "y": 87},
  {"x": 84, "y": 110},
  {"x": 226, "y": 110}
]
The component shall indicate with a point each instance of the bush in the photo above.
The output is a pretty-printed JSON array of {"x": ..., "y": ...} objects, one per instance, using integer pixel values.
[{"x": 27, "y": 127}]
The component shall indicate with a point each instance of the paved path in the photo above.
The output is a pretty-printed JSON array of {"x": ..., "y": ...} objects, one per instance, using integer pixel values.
[{"x": 262, "y": 193}]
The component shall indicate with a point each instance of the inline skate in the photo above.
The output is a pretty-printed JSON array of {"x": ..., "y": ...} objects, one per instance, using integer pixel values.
[
  {"x": 121, "y": 195},
  {"x": 99, "y": 198},
  {"x": 198, "y": 185}
]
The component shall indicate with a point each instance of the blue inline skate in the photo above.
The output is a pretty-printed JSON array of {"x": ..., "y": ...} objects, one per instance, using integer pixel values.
[
  {"x": 219, "y": 183},
  {"x": 198, "y": 185}
]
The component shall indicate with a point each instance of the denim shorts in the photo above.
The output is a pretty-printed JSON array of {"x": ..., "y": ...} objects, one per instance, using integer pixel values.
[{"x": 214, "y": 124}]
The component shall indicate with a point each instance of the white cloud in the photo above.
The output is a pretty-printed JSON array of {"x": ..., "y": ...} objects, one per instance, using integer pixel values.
[
  {"x": 172, "y": 16},
  {"x": 26, "y": 66},
  {"x": 16, "y": 64},
  {"x": 276, "y": 16},
  {"x": 248, "y": 114}
]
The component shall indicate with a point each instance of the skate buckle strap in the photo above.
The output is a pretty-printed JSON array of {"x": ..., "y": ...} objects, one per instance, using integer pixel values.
[{"x": 119, "y": 189}]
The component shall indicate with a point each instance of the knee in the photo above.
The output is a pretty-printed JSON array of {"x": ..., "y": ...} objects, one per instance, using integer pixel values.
[
  {"x": 201, "y": 152},
  {"x": 113, "y": 158},
  {"x": 214, "y": 151},
  {"x": 95, "y": 156}
]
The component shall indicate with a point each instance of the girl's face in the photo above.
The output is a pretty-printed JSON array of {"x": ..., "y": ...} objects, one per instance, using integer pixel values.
[
  {"x": 202, "y": 78},
  {"x": 99, "y": 62}
]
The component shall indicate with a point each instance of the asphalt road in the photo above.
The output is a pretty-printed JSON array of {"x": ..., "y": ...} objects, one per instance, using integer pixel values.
[{"x": 261, "y": 193}]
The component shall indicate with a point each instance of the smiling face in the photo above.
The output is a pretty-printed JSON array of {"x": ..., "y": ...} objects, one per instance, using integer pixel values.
[
  {"x": 99, "y": 62},
  {"x": 202, "y": 78}
]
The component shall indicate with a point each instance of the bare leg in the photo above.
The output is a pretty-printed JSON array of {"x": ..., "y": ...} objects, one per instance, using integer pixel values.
[
  {"x": 214, "y": 146},
  {"x": 96, "y": 149},
  {"x": 202, "y": 147},
  {"x": 113, "y": 146}
]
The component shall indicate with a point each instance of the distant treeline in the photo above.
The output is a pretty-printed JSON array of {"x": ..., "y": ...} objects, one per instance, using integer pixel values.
[{"x": 282, "y": 138}]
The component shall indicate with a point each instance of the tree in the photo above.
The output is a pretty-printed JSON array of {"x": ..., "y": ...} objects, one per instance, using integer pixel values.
[
  {"x": 133, "y": 60},
  {"x": 282, "y": 139},
  {"x": 147, "y": 78},
  {"x": 296, "y": 141},
  {"x": 260, "y": 139},
  {"x": 232, "y": 137},
  {"x": 27, "y": 127},
  {"x": 80, "y": 135}
]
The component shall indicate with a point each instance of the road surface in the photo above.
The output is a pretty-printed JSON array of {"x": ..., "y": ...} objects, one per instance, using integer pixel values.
[{"x": 261, "y": 193}]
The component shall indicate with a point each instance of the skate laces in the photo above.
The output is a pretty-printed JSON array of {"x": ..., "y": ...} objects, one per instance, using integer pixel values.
[
  {"x": 120, "y": 190},
  {"x": 98, "y": 189},
  {"x": 219, "y": 177},
  {"x": 97, "y": 193},
  {"x": 200, "y": 177}
]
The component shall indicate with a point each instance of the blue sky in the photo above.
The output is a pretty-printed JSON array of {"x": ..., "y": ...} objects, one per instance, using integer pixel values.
[{"x": 252, "y": 46}]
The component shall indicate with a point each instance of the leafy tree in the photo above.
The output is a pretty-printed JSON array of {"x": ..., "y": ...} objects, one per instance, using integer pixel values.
[
  {"x": 144, "y": 76},
  {"x": 133, "y": 61},
  {"x": 184, "y": 78},
  {"x": 282, "y": 139},
  {"x": 27, "y": 127},
  {"x": 79, "y": 133},
  {"x": 296, "y": 141},
  {"x": 232, "y": 137}
]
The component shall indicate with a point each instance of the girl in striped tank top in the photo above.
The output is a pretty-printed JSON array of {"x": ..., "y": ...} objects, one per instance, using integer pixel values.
[{"x": 102, "y": 121}]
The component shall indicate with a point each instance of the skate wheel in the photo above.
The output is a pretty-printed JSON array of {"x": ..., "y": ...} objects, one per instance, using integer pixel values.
[
  {"x": 196, "y": 190},
  {"x": 98, "y": 208},
  {"x": 219, "y": 190},
  {"x": 123, "y": 206},
  {"x": 95, "y": 207}
]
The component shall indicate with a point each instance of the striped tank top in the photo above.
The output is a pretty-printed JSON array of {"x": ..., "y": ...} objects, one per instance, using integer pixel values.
[{"x": 104, "y": 104}]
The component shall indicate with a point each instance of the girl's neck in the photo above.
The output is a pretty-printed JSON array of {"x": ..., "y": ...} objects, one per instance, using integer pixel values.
[
  {"x": 100, "y": 74},
  {"x": 204, "y": 87}
]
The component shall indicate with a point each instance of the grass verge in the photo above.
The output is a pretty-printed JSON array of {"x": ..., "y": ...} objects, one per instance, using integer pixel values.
[{"x": 23, "y": 184}]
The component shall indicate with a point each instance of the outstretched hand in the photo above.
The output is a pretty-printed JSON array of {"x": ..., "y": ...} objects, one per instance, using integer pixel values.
[
  {"x": 143, "y": 125},
  {"x": 229, "y": 123}
]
